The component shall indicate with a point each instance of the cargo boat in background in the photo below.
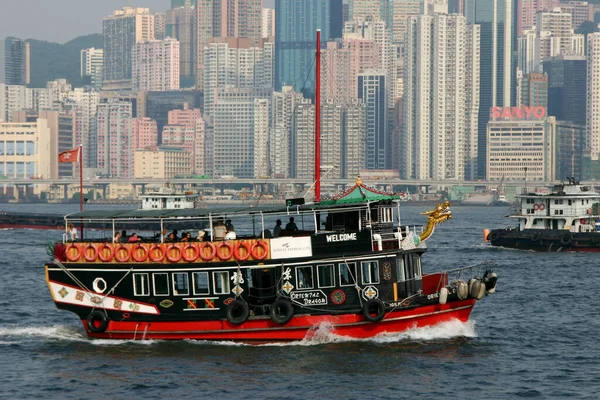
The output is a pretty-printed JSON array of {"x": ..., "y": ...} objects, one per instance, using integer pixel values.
[
  {"x": 349, "y": 266},
  {"x": 565, "y": 219}
]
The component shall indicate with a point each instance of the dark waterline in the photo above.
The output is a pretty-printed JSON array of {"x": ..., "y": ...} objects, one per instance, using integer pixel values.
[{"x": 536, "y": 337}]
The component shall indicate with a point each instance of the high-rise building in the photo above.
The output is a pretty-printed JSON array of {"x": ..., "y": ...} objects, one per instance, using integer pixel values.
[
  {"x": 92, "y": 61},
  {"x": 268, "y": 22},
  {"x": 155, "y": 65},
  {"x": 355, "y": 138},
  {"x": 158, "y": 105},
  {"x": 114, "y": 146},
  {"x": 498, "y": 46},
  {"x": 593, "y": 94},
  {"x": 122, "y": 30},
  {"x": 16, "y": 62},
  {"x": 181, "y": 25},
  {"x": 12, "y": 98},
  {"x": 182, "y": 3},
  {"x": 160, "y": 25},
  {"x": 332, "y": 137},
  {"x": 261, "y": 138},
  {"x": 567, "y": 88},
  {"x": 526, "y": 11},
  {"x": 532, "y": 90},
  {"x": 187, "y": 130},
  {"x": 232, "y": 19},
  {"x": 161, "y": 163},
  {"x": 363, "y": 9},
  {"x": 84, "y": 103},
  {"x": 303, "y": 141},
  {"x": 236, "y": 63},
  {"x": 570, "y": 139},
  {"x": 144, "y": 133},
  {"x": 440, "y": 107},
  {"x": 295, "y": 39},
  {"x": 581, "y": 11},
  {"x": 372, "y": 92}
]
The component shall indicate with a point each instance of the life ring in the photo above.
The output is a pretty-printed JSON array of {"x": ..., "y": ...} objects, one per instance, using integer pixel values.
[
  {"x": 542, "y": 207},
  {"x": 195, "y": 254},
  {"x": 281, "y": 311},
  {"x": 153, "y": 257},
  {"x": 237, "y": 312},
  {"x": 566, "y": 239},
  {"x": 111, "y": 253},
  {"x": 213, "y": 251},
  {"x": 93, "y": 257},
  {"x": 97, "y": 321},
  {"x": 127, "y": 251},
  {"x": 265, "y": 248},
  {"x": 54, "y": 222},
  {"x": 596, "y": 238},
  {"x": 177, "y": 257},
  {"x": 374, "y": 310},
  {"x": 134, "y": 253},
  {"x": 76, "y": 256},
  {"x": 220, "y": 254},
  {"x": 536, "y": 207},
  {"x": 494, "y": 235},
  {"x": 236, "y": 251}
]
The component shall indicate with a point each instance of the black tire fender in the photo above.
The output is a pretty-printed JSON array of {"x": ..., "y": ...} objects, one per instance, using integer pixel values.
[
  {"x": 237, "y": 312},
  {"x": 281, "y": 311},
  {"x": 566, "y": 239},
  {"x": 374, "y": 310},
  {"x": 493, "y": 235},
  {"x": 97, "y": 321}
]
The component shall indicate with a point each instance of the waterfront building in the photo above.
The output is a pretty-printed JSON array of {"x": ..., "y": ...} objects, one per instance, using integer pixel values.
[
  {"x": 16, "y": 62},
  {"x": 162, "y": 163},
  {"x": 155, "y": 65},
  {"x": 181, "y": 25},
  {"x": 122, "y": 30},
  {"x": 114, "y": 139},
  {"x": 12, "y": 98},
  {"x": 295, "y": 39},
  {"x": 144, "y": 133},
  {"x": 440, "y": 102},
  {"x": 570, "y": 148},
  {"x": 567, "y": 87},
  {"x": 187, "y": 130},
  {"x": 516, "y": 142}
]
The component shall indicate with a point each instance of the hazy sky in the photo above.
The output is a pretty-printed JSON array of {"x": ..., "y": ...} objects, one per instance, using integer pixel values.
[{"x": 62, "y": 20}]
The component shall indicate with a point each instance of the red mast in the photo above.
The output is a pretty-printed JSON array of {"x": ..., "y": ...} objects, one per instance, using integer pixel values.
[{"x": 318, "y": 119}]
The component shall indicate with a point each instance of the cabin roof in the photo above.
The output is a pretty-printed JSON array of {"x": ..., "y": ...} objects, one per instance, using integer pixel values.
[{"x": 360, "y": 193}]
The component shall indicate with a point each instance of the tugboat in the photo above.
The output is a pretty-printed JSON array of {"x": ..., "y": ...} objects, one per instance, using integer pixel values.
[
  {"x": 342, "y": 262},
  {"x": 566, "y": 219}
]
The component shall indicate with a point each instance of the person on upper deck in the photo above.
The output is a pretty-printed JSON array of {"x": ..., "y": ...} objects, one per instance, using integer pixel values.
[
  {"x": 277, "y": 229},
  {"x": 291, "y": 226},
  {"x": 229, "y": 225},
  {"x": 124, "y": 236},
  {"x": 220, "y": 230},
  {"x": 71, "y": 232},
  {"x": 134, "y": 238},
  {"x": 117, "y": 237}
]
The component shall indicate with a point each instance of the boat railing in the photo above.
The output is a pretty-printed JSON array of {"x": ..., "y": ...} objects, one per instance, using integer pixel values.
[{"x": 392, "y": 239}]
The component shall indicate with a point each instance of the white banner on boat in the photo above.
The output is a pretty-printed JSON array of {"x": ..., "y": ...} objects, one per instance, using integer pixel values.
[{"x": 290, "y": 247}]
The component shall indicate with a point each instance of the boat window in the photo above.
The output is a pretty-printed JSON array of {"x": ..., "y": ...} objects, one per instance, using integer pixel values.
[
  {"x": 200, "y": 282},
  {"x": 370, "y": 272},
  {"x": 181, "y": 286},
  {"x": 400, "y": 270},
  {"x": 570, "y": 201},
  {"x": 221, "y": 282},
  {"x": 161, "y": 284},
  {"x": 304, "y": 277},
  {"x": 347, "y": 274},
  {"x": 141, "y": 286},
  {"x": 325, "y": 276}
]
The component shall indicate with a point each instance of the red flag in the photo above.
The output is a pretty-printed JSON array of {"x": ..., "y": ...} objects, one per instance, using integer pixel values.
[{"x": 69, "y": 155}]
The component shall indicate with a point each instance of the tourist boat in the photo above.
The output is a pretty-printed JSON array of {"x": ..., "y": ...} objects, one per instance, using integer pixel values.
[
  {"x": 565, "y": 218},
  {"x": 345, "y": 263},
  {"x": 348, "y": 266}
]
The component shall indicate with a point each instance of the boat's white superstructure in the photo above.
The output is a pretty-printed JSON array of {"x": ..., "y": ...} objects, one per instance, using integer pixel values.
[{"x": 166, "y": 198}]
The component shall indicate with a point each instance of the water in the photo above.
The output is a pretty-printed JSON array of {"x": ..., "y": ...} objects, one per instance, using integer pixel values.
[{"x": 536, "y": 337}]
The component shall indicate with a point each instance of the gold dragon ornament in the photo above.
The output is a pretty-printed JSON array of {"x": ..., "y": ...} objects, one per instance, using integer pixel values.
[{"x": 441, "y": 213}]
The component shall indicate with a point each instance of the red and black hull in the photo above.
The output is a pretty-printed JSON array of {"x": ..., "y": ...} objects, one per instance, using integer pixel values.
[
  {"x": 263, "y": 329},
  {"x": 545, "y": 240}
]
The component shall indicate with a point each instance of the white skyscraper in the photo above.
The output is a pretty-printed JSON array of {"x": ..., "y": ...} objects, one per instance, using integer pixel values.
[
  {"x": 283, "y": 105},
  {"x": 155, "y": 65},
  {"x": 92, "y": 62},
  {"x": 441, "y": 99},
  {"x": 593, "y": 96},
  {"x": 261, "y": 138},
  {"x": 114, "y": 147}
]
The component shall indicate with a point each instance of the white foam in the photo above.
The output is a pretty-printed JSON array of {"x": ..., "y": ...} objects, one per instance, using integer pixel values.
[{"x": 60, "y": 332}]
